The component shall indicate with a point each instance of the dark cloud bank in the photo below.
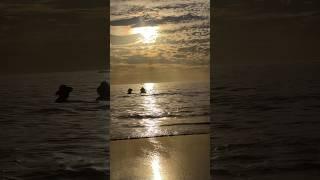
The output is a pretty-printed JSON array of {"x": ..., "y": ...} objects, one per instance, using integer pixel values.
[
  {"x": 274, "y": 31},
  {"x": 53, "y": 35}
]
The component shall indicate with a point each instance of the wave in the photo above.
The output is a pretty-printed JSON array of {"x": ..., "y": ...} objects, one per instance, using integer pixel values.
[
  {"x": 64, "y": 174},
  {"x": 265, "y": 169},
  {"x": 242, "y": 89},
  {"x": 159, "y": 135},
  {"x": 164, "y": 94},
  {"x": 220, "y": 88},
  {"x": 138, "y": 116},
  {"x": 81, "y": 101},
  {"x": 54, "y": 111},
  {"x": 70, "y": 111},
  {"x": 171, "y": 124}
]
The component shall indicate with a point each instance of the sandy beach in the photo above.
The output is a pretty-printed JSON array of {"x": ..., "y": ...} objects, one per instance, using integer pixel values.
[{"x": 161, "y": 158}]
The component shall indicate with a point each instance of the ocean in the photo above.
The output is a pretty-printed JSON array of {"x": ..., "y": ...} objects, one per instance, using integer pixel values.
[
  {"x": 40, "y": 139},
  {"x": 168, "y": 108},
  {"x": 265, "y": 121}
]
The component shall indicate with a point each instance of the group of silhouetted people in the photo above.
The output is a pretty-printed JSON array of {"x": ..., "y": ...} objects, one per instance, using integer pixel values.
[
  {"x": 64, "y": 91},
  {"x": 103, "y": 91},
  {"x": 142, "y": 90}
]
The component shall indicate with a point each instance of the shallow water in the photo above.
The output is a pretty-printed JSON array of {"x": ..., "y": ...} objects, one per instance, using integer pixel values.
[
  {"x": 265, "y": 120},
  {"x": 166, "y": 109},
  {"x": 40, "y": 139}
]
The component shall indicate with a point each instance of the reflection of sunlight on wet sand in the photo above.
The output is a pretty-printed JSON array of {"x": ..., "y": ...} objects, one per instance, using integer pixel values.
[
  {"x": 162, "y": 158},
  {"x": 155, "y": 164},
  {"x": 153, "y": 109}
]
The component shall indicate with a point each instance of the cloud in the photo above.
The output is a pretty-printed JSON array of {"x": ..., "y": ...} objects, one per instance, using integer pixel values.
[
  {"x": 152, "y": 21},
  {"x": 183, "y": 18},
  {"x": 122, "y": 40},
  {"x": 52, "y": 35},
  {"x": 183, "y": 38},
  {"x": 125, "y": 22},
  {"x": 265, "y": 9}
]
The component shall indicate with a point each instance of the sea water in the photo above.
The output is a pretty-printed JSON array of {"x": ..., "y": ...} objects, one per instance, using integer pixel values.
[
  {"x": 40, "y": 139},
  {"x": 265, "y": 120},
  {"x": 167, "y": 108}
]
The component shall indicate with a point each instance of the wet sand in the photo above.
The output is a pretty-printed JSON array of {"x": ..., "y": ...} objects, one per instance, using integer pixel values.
[{"x": 161, "y": 158}]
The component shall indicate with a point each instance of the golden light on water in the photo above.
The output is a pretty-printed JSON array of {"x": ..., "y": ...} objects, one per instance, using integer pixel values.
[
  {"x": 153, "y": 127},
  {"x": 148, "y": 33},
  {"x": 148, "y": 86},
  {"x": 151, "y": 108}
]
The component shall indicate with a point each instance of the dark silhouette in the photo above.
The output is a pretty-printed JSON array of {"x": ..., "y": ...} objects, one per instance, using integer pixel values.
[
  {"x": 130, "y": 91},
  {"x": 63, "y": 93},
  {"x": 104, "y": 91},
  {"x": 142, "y": 90}
]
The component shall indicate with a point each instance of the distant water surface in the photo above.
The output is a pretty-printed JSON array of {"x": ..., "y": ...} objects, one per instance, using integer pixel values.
[
  {"x": 168, "y": 108},
  {"x": 265, "y": 121},
  {"x": 40, "y": 139}
]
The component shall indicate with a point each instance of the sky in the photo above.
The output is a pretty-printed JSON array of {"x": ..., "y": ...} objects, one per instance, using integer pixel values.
[
  {"x": 152, "y": 40},
  {"x": 53, "y": 35},
  {"x": 266, "y": 31}
]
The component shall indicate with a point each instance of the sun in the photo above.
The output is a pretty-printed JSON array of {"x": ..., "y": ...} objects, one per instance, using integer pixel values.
[{"x": 149, "y": 34}]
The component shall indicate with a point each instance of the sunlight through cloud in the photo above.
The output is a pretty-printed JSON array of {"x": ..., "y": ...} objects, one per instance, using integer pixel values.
[{"x": 149, "y": 34}]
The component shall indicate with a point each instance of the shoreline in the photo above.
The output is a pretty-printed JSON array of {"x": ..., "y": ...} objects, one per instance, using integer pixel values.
[
  {"x": 166, "y": 157},
  {"x": 157, "y": 136}
]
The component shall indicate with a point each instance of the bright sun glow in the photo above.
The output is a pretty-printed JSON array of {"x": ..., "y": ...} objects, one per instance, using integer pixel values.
[
  {"x": 148, "y": 86},
  {"x": 149, "y": 33}
]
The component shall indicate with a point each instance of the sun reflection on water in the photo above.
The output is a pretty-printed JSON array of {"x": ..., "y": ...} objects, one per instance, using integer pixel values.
[
  {"x": 149, "y": 87},
  {"x": 152, "y": 109}
]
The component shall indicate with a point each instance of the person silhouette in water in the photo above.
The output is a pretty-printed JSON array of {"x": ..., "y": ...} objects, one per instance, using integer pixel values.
[
  {"x": 63, "y": 93},
  {"x": 142, "y": 90},
  {"x": 130, "y": 91},
  {"x": 103, "y": 91}
]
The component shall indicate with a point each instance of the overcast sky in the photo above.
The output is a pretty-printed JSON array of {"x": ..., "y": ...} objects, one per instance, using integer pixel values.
[
  {"x": 181, "y": 44},
  {"x": 53, "y": 35},
  {"x": 266, "y": 31}
]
